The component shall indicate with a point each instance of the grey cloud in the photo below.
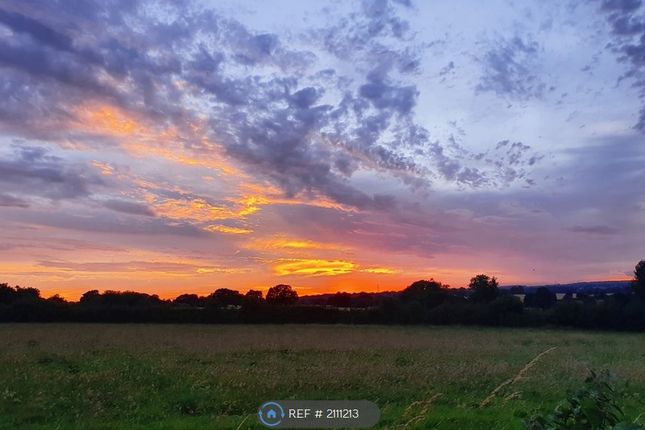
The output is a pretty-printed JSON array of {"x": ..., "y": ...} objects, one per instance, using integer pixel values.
[
  {"x": 106, "y": 223},
  {"x": 42, "y": 33},
  {"x": 384, "y": 96},
  {"x": 594, "y": 229},
  {"x": 499, "y": 167},
  {"x": 306, "y": 97},
  {"x": 621, "y": 5},
  {"x": 447, "y": 69},
  {"x": 509, "y": 69},
  {"x": 129, "y": 266},
  {"x": 7, "y": 200},
  {"x": 129, "y": 207},
  {"x": 32, "y": 171},
  {"x": 274, "y": 109},
  {"x": 270, "y": 124},
  {"x": 472, "y": 177},
  {"x": 627, "y": 22}
]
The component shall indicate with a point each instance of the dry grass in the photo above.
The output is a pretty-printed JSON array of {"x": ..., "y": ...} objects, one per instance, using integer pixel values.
[{"x": 515, "y": 379}]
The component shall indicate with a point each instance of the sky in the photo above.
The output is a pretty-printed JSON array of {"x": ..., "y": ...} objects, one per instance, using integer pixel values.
[{"x": 170, "y": 147}]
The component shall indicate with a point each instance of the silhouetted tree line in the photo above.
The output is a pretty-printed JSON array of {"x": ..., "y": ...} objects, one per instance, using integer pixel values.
[{"x": 423, "y": 302}]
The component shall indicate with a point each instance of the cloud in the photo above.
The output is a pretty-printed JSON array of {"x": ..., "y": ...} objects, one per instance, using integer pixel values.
[
  {"x": 42, "y": 33},
  {"x": 33, "y": 171},
  {"x": 7, "y": 200},
  {"x": 277, "y": 112},
  {"x": 510, "y": 69},
  {"x": 227, "y": 229},
  {"x": 594, "y": 229},
  {"x": 127, "y": 266},
  {"x": 313, "y": 267},
  {"x": 105, "y": 223},
  {"x": 129, "y": 207},
  {"x": 293, "y": 244},
  {"x": 270, "y": 106},
  {"x": 627, "y": 23},
  {"x": 379, "y": 270}
]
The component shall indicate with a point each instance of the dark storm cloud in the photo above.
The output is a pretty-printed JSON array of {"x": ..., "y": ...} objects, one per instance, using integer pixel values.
[
  {"x": 627, "y": 21},
  {"x": 509, "y": 69},
  {"x": 32, "y": 171}
]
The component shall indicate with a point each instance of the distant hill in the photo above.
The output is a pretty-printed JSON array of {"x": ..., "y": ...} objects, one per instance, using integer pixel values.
[
  {"x": 578, "y": 287},
  {"x": 592, "y": 287}
]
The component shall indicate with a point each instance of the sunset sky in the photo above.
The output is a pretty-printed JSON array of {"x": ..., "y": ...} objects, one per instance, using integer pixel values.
[{"x": 327, "y": 145}]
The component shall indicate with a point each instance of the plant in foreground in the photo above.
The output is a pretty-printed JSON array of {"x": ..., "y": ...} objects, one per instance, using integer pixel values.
[{"x": 593, "y": 407}]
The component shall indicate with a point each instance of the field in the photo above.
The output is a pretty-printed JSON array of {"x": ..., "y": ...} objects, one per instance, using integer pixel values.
[{"x": 75, "y": 376}]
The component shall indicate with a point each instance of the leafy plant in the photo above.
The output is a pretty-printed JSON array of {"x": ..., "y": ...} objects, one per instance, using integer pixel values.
[{"x": 593, "y": 407}]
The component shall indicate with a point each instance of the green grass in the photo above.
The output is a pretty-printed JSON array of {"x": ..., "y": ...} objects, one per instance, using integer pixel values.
[{"x": 91, "y": 376}]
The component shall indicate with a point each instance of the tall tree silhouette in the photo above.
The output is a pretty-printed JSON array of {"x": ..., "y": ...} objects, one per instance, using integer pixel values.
[
  {"x": 282, "y": 295},
  {"x": 639, "y": 280},
  {"x": 225, "y": 297},
  {"x": 483, "y": 288},
  {"x": 430, "y": 293}
]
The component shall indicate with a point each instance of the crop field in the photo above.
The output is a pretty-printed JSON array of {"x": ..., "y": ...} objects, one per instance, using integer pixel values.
[{"x": 92, "y": 376}]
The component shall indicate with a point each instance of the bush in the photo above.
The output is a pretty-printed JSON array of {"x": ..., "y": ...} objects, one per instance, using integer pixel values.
[{"x": 594, "y": 407}]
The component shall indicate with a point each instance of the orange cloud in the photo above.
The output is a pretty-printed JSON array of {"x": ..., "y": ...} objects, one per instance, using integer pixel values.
[
  {"x": 314, "y": 267},
  {"x": 206, "y": 270},
  {"x": 141, "y": 139},
  {"x": 280, "y": 242},
  {"x": 201, "y": 211},
  {"x": 227, "y": 230},
  {"x": 109, "y": 119},
  {"x": 194, "y": 210},
  {"x": 379, "y": 270},
  {"x": 105, "y": 168}
]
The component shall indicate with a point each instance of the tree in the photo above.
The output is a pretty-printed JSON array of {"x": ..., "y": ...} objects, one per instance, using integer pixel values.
[
  {"x": 340, "y": 300},
  {"x": 27, "y": 295},
  {"x": 430, "y": 293},
  {"x": 92, "y": 297},
  {"x": 363, "y": 300},
  {"x": 483, "y": 288},
  {"x": 252, "y": 300},
  {"x": 638, "y": 285},
  {"x": 542, "y": 298},
  {"x": 282, "y": 295},
  {"x": 507, "y": 304},
  {"x": 129, "y": 299},
  {"x": 253, "y": 295},
  {"x": 225, "y": 297},
  {"x": 190, "y": 300},
  {"x": 57, "y": 300},
  {"x": 7, "y": 294}
]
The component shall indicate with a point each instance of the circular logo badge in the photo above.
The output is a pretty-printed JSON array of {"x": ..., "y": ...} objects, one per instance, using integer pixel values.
[{"x": 270, "y": 414}]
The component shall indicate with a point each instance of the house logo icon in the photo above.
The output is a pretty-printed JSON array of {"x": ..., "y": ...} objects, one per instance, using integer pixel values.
[{"x": 271, "y": 414}]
